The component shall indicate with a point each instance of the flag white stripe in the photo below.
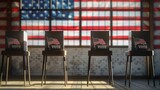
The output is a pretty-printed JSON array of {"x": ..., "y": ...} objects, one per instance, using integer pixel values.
[
  {"x": 156, "y": 42},
  {"x": 65, "y": 23},
  {"x": 120, "y": 42},
  {"x": 36, "y": 32},
  {"x": 3, "y": 22},
  {"x": 157, "y": 5},
  {"x": 107, "y": 23},
  {"x": 84, "y": 23},
  {"x": 95, "y": 23},
  {"x": 145, "y": 4},
  {"x": 115, "y": 42},
  {"x": 115, "y": 13},
  {"x": 42, "y": 42},
  {"x": 157, "y": 33},
  {"x": 71, "y": 42},
  {"x": 15, "y": 23},
  {"x": 15, "y": 14},
  {"x": 71, "y": 33},
  {"x": 126, "y": 23},
  {"x": 95, "y": 13},
  {"x": 127, "y": 13},
  {"x": 2, "y": 33},
  {"x": 120, "y": 33},
  {"x": 126, "y": 4},
  {"x": 3, "y": 14},
  {"x": 157, "y": 23},
  {"x": 115, "y": 33},
  {"x": 34, "y": 23},
  {"x": 42, "y": 33},
  {"x": 2, "y": 41},
  {"x": 15, "y": 4},
  {"x": 157, "y": 14},
  {"x": 107, "y": 4},
  {"x": 145, "y": 23},
  {"x": 95, "y": 4},
  {"x": 76, "y": 5}
]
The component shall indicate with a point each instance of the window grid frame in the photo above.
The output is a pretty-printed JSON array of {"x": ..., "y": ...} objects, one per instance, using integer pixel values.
[{"x": 80, "y": 21}]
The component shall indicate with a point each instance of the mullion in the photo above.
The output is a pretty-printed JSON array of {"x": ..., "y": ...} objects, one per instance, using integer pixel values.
[{"x": 111, "y": 22}]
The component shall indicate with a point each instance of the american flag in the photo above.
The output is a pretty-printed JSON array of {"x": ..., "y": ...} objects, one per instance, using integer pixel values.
[
  {"x": 95, "y": 16},
  {"x": 97, "y": 41},
  {"x": 52, "y": 41}
]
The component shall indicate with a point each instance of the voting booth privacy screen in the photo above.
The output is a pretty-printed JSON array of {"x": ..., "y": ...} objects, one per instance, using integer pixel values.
[
  {"x": 54, "y": 40},
  {"x": 16, "y": 41},
  {"x": 99, "y": 40}
]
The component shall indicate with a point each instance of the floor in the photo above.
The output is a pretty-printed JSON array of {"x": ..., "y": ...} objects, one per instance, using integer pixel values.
[{"x": 78, "y": 83}]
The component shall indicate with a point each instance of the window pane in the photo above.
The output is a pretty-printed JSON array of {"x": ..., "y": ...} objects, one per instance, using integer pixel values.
[
  {"x": 66, "y": 20},
  {"x": 126, "y": 17},
  {"x": 62, "y": 4},
  {"x": 95, "y": 16},
  {"x": 36, "y": 30}
]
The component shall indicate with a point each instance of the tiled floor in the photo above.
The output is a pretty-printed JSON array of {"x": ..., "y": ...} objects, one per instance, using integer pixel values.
[{"x": 78, "y": 83}]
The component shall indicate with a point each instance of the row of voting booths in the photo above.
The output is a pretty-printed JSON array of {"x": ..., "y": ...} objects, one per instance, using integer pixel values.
[{"x": 18, "y": 41}]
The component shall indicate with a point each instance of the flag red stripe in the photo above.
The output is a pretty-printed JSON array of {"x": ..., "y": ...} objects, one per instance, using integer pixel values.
[
  {"x": 156, "y": 1},
  {"x": 15, "y": 9},
  {"x": 3, "y": 9},
  {"x": 77, "y": 37},
  {"x": 83, "y": 27},
  {"x": 42, "y": 37},
  {"x": 157, "y": 27},
  {"x": 156, "y": 37},
  {"x": 157, "y": 46},
  {"x": 157, "y": 9},
  {"x": 2, "y": 1},
  {"x": 3, "y": 27},
  {"x": 120, "y": 37},
  {"x": 3, "y": 18},
  {"x": 35, "y": 27},
  {"x": 2, "y": 37},
  {"x": 15, "y": 27},
  {"x": 15, "y": 18},
  {"x": 2, "y": 45}
]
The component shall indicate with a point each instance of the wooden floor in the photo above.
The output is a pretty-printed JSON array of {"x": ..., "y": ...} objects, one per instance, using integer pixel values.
[{"x": 78, "y": 83}]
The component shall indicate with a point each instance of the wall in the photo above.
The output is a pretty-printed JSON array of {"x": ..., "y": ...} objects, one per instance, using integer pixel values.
[{"x": 78, "y": 61}]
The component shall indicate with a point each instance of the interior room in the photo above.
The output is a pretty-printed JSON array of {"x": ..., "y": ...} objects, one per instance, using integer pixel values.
[{"x": 80, "y": 44}]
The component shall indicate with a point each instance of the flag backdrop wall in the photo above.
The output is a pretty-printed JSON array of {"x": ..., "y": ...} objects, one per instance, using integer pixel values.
[
  {"x": 77, "y": 18},
  {"x": 14, "y": 18},
  {"x": 157, "y": 23}
]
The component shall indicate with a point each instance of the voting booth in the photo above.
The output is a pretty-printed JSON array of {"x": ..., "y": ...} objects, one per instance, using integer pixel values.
[
  {"x": 16, "y": 41},
  {"x": 139, "y": 40},
  {"x": 99, "y": 40},
  {"x": 54, "y": 40}
]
